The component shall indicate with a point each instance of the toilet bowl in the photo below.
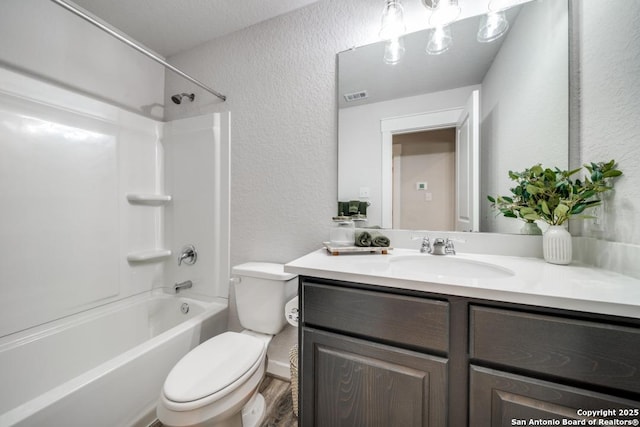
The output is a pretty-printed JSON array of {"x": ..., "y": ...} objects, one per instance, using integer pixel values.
[{"x": 216, "y": 383}]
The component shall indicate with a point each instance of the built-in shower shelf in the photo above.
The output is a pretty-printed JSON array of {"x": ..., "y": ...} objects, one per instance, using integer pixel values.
[
  {"x": 151, "y": 255},
  {"x": 148, "y": 199}
]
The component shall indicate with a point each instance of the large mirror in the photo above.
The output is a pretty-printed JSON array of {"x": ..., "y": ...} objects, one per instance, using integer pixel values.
[{"x": 400, "y": 139}]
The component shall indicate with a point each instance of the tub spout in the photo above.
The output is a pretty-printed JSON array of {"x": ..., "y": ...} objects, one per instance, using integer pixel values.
[{"x": 183, "y": 285}]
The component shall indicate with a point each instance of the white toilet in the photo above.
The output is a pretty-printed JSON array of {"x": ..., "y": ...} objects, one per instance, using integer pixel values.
[{"x": 216, "y": 383}]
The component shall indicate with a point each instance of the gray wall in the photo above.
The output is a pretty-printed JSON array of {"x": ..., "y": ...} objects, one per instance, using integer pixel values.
[
  {"x": 610, "y": 108},
  {"x": 280, "y": 79}
]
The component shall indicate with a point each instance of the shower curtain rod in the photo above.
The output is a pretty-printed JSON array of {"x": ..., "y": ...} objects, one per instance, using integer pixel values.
[{"x": 136, "y": 46}]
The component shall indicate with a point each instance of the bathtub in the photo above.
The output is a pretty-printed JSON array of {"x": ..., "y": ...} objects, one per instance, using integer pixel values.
[{"x": 104, "y": 367}]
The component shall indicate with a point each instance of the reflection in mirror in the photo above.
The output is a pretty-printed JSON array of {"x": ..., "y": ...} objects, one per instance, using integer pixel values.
[{"x": 522, "y": 82}]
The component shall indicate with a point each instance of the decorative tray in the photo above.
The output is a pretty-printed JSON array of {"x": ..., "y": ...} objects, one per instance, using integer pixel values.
[{"x": 337, "y": 250}]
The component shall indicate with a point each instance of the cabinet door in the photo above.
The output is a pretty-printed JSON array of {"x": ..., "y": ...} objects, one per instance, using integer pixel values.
[
  {"x": 351, "y": 382},
  {"x": 502, "y": 399}
]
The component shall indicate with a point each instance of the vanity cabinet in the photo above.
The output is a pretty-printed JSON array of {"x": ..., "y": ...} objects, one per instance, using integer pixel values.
[
  {"x": 372, "y": 359},
  {"x": 584, "y": 359},
  {"x": 378, "y": 356}
]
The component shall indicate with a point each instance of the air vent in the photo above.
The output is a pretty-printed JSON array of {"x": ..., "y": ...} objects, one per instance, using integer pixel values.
[{"x": 356, "y": 96}]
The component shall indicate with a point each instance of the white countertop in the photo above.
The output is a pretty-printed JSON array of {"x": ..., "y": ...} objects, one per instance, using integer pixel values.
[{"x": 534, "y": 281}]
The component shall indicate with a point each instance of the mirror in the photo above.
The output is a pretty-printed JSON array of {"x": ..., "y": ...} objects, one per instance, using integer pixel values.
[{"x": 522, "y": 82}]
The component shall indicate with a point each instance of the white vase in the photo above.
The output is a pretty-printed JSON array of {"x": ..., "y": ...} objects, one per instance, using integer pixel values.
[{"x": 556, "y": 245}]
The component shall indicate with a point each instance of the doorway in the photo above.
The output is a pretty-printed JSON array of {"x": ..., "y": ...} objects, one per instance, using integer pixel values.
[{"x": 424, "y": 180}]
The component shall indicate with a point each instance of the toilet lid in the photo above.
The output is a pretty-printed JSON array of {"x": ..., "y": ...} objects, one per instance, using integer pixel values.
[{"x": 212, "y": 366}]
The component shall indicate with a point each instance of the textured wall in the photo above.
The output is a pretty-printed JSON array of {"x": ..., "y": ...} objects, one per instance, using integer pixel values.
[
  {"x": 610, "y": 108},
  {"x": 279, "y": 77}
]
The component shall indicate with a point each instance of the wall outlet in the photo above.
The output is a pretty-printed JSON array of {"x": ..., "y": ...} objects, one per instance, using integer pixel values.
[
  {"x": 428, "y": 196},
  {"x": 597, "y": 222},
  {"x": 364, "y": 192}
]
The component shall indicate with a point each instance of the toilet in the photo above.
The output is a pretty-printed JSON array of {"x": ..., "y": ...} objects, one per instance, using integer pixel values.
[{"x": 216, "y": 383}]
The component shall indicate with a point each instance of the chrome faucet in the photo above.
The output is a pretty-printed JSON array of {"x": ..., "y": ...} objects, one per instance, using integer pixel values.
[
  {"x": 188, "y": 254},
  {"x": 182, "y": 285},
  {"x": 443, "y": 247}
]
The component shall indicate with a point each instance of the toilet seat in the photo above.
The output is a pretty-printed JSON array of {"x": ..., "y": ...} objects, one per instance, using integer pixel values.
[{"x": 212, "y": 370}]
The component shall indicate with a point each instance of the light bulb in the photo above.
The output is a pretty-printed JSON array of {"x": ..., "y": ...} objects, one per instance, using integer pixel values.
[
  {"x": 492, "y": 26},
  {"x": 446, "y": 12},
  {"x": 439, "y": 40},
  {"x": 393, "y": 51},
  {"x": 392, "y": 20}
]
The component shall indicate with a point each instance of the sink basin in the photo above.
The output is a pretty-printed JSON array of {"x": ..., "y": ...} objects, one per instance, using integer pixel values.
[{"x": 449, "y": 266}]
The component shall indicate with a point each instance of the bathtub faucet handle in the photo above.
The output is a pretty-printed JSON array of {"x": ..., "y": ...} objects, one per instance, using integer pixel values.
[
  {"x": 188, "y": 254},
  {"x": 183, "y": 285}
]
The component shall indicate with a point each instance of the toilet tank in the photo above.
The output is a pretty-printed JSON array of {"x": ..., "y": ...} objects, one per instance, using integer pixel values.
[{"x": 262, "y": 290}]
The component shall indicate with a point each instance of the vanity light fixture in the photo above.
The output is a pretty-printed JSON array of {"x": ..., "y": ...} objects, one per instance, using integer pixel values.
[
  {"x": 392, "y": 29},
  {"x": 443, "y": 12},
  {"x": 439, "y": 40},
  {"x": 392, "y": 26},
  {"x": 393, "y": 51},
  {"x": 494, "y": 24}
]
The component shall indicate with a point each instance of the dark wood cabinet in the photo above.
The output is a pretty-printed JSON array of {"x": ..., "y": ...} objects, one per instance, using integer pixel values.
[
  {"x": 502, "y": 399},
  {"x": 375, "y": 356},
  {"x": 597, "y": 353},
  {"x": 351, "y": 382}
]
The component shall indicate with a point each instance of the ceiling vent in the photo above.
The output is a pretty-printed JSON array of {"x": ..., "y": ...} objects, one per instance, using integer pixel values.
[{"x": 356, "y": 96}]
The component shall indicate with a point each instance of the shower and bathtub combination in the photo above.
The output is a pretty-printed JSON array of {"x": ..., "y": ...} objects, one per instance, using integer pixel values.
[{"x": 98, "y": 203}]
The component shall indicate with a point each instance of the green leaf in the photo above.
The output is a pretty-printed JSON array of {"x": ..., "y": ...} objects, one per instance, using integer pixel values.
[
  {"x": 561, "y": 210},
  {"x": 531, "y": 217},
  {"x": 573, "y": 172},
  {"x": 545, "y": 207},
  {"x": 537, "y": 170},
  {"x": 578, "y": 208},
  {"x": 491, "y": 199},
  {"x": 612, "y": 173},
  {"x": 532, "y": 189}
]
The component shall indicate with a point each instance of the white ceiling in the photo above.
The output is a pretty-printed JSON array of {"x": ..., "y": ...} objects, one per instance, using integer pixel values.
[{"x": 172, "y": 26}]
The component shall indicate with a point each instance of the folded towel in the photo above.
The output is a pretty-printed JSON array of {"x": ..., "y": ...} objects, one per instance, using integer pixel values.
[
  {"x": 379, "y": 240},
  {"x": 363, "y": 238}
]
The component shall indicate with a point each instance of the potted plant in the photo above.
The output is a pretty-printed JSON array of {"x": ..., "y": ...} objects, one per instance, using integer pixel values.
[{"x": 553, "y": 196}]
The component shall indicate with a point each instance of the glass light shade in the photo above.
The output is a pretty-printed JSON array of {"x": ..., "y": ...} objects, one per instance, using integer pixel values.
[
  {"x": 492, "y": 26},
  {"x": 439, "y": 40},
  {"x": 392, "y": 20},
  {"x": 446, "y": 12},
  {"x": 393, "y": 51}
]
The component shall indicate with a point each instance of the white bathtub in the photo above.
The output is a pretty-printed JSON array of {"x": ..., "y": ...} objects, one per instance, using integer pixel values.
[{"x": 103, "y": 367}]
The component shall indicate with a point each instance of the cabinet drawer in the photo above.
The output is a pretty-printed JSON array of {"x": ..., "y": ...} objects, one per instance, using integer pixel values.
[
  {"x": 415, "y": 322},
  {"x": 588, "y": 351}
]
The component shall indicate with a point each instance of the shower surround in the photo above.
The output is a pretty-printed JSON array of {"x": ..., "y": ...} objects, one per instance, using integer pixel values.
[{"x": 97, "y": 202}]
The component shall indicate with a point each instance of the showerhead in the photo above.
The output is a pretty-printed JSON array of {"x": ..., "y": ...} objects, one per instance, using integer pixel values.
[{"x": 178, "y": 97}]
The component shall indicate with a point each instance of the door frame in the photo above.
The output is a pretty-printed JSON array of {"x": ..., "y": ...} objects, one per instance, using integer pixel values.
[{"x": 430, "y": 120}]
